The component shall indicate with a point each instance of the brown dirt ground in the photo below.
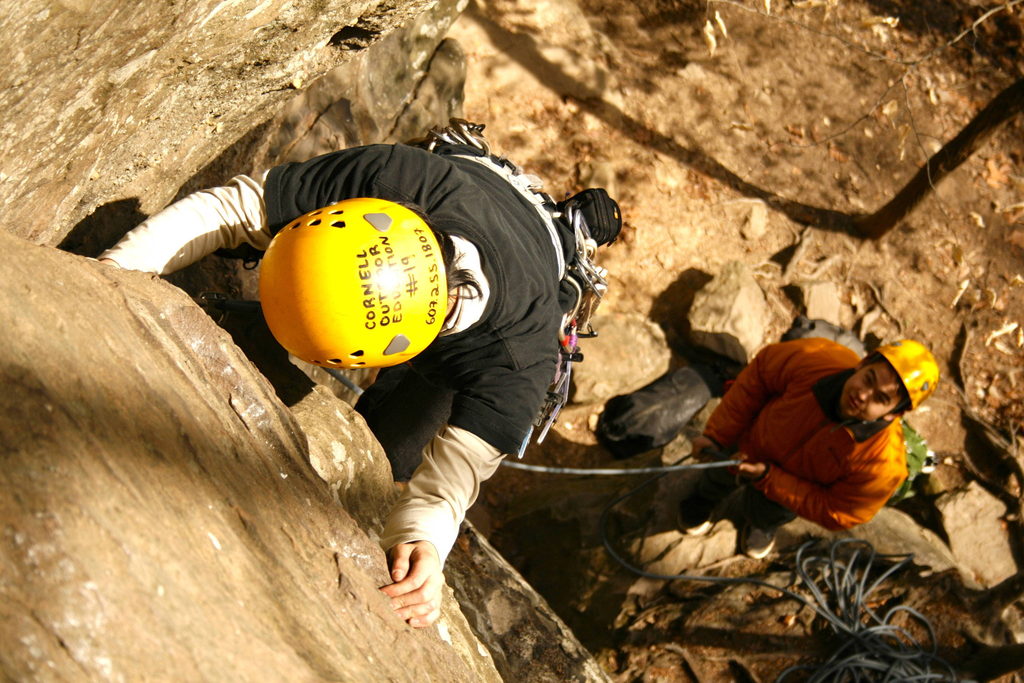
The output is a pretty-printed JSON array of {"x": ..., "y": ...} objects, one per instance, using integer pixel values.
[{"x": 828, "y": 103}]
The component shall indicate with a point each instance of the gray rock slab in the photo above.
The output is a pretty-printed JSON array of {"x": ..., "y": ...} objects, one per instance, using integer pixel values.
[
  {"x": 116, "y": 104},
  {"x": 730, "y": 314},
  {"x": 821, "y": 301},
  {"x": 972, "y": 519},
  {"x": 629, "y": 352}
]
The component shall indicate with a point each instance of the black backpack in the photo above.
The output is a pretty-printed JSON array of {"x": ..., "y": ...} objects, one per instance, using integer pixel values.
[{"x": 650, "y": 417}]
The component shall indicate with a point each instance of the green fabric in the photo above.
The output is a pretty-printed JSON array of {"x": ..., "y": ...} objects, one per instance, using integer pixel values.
[{"x": 917, "y": 457}]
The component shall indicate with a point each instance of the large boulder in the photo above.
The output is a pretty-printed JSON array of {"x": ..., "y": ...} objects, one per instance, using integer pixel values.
[
  {"x": 628, "y": 352},
  {"x": 730, "y": 314},
  {"x": 972, "y": 518},
  {"x": 162, "y": 510},
  {"x": 177, "y": 498}
]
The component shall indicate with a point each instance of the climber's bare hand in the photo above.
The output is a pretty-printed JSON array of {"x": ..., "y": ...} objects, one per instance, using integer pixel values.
[{"x": 416, "y": 591}]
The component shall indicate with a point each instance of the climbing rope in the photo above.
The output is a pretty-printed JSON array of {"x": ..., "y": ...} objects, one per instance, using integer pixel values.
[
  {"x": 599, "y": 471},
  {"x": 875, "y": 648},
  {"x": 344, "y": 379}
]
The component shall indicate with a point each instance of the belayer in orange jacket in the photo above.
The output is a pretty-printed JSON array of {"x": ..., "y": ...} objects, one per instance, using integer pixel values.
[{"x": 819, "y": 434}]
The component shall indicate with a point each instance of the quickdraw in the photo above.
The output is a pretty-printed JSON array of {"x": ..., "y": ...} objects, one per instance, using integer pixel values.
[{"x": 589, "y": 283}]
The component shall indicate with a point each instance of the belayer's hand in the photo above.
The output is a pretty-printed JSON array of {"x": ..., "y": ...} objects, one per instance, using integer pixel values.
[
  {"x": 704, "y": 449},
  {"x": 416, "y": 591},
  {"x": 749, "y": 469}
]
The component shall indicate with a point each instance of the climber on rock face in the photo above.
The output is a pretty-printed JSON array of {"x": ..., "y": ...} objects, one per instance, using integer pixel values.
[
  {"x": 819, "y": 433},
  {"x": 442, "y": 265}
]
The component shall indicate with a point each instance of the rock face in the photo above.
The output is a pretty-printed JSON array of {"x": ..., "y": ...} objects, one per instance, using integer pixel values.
[
  {"x": 159, "y": 512},
  {"x": 176, "y": 498},
  {"x": 180, "y": 81},
  {"x": 522, "y": 633}
]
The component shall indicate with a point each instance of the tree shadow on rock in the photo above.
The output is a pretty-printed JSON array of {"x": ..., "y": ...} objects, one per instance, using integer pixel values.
[{"x": 671, "y": 308}]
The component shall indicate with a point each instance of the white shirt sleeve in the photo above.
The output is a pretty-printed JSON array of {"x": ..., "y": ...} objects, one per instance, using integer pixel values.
[
  {"x": 197, "y": 225},
  {"x": 441, "y": 490}
]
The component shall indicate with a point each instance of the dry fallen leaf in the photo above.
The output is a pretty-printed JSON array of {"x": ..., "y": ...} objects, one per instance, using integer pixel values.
[
  {"x": 837, "y": 154},
  {"x": 889, "y": 110},
  {"x": 709, "y": 38},
  {"x": 1002, "y": 347},
  {"x": 960, "y": 293},
  {"x": 1005, "y": 329},
  {"x": 892, "y": 22},
  {"x": 721, "y": 24},
  {"x": 958, "y": 254},
  {"x": 997, "y": 174},
  {"x": 904, "y": 134}
]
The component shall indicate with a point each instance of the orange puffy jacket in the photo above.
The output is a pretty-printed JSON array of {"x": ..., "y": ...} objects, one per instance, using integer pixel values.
[{"x": 819, "y": 469}]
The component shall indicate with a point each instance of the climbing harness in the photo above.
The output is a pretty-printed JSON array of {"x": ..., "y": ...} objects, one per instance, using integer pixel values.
[
  {"x": 584, "y": 280},
  {"x": 460, "y": 132}
]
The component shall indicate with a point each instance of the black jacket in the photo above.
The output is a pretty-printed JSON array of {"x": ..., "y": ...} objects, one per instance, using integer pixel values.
[{"x": 500, "y": 367}]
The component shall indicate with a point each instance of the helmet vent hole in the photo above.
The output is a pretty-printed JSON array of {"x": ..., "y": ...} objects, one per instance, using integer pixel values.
[
  {"x": 315, "y": 222},
  {"x": 358, "y": 364},
  {"x": 356, "y": 354},
  {"x": 337, "y": 224},
  {"x": 335, "y": 360}
]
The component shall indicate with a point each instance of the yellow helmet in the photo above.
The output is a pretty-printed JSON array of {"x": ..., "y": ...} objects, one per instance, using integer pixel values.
[
  {"x": 916, "y": 367},
  {"x": 360, "y": 283}
]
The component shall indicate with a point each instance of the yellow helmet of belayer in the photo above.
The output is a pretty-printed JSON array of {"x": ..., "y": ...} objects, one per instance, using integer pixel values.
[
  {"x": 916, "y": 368},
  {"x": 359, "y": 283}
]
